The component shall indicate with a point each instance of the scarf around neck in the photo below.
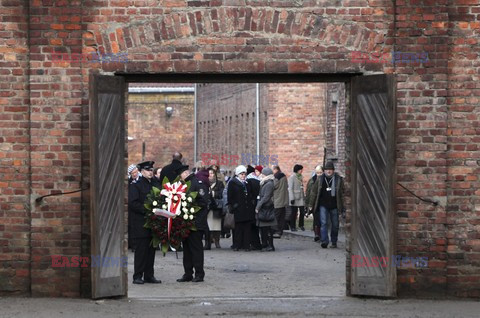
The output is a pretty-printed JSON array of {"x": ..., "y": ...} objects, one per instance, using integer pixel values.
[
  {"x": 332, "y": 185},
  {"x": 264, "y": 180}
]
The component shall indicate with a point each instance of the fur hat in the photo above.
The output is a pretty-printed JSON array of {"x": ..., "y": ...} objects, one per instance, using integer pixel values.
[
  {"x": 267, "y": 171},
  {"x": 240, "y": 169},
  {"x": 131, "y": 168}
]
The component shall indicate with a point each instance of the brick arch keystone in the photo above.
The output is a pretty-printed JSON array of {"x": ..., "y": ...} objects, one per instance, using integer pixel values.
[{"x": 260, "y": 26}]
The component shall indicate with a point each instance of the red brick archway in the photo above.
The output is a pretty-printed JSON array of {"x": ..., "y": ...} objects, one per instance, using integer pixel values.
[{"x": 44, "y": 112}]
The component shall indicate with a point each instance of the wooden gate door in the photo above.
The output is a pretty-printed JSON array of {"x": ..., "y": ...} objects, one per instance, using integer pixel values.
[
  {"x": 373, "y": 185},
  {"x": 107, "y": 177}
]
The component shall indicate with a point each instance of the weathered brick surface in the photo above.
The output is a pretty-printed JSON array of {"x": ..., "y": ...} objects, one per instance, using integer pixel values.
[
  {"x": 296, "y": 130},
  {"x": 14, "y": 150},
  {"x": 336, "y": 125},
  {"x": 291, "y": 124},
  {"x": 462, "y": 218},
  {"x": 56, "y": 92},
  {"x": 226, "y": 123},
  {"x": 149, "y": 124},
  {"x": 44, "y": 111}
]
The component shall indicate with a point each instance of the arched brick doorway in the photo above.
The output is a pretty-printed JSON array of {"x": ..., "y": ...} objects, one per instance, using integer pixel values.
[{"x": 373, "y": 145}]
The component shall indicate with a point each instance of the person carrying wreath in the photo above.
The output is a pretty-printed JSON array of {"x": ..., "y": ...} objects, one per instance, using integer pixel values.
[{"x": 193, "y": 257}]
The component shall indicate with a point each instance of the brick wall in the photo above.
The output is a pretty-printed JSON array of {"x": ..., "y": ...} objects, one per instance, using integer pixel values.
[
  {"x": 291, "y": 123},
  {"x": 56, "y": 99},
  {"x": 44, "y": 112},
  {"x": 163, "y": 135},
  {"x": 226, "y": 122},
  {"x": 296, "y": 117},
  {"x": 14, "y": 149},
  {"x": 335, "y": 125}
]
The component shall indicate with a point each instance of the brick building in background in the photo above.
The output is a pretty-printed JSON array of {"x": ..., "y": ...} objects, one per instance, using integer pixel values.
[
  {"x": 44, "y": 113},
  {"x": 155, "y": 114},
  {"x": 292, "y": 122},
  {"x": 291, "y": 126}
]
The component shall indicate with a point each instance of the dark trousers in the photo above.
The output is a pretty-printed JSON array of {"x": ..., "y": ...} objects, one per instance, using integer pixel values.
[
  {"x": 243, "y": 236},
  {"x": 280, "y": 216},
  {"x": 225, "y": 232},
  {"x": 193, "y": 254},
  {"x": 255, "y": 237},
  {"x": 267, "y": 236},
  {"x": 144, "y": 258},
  {"x": 301, "y": 217}
]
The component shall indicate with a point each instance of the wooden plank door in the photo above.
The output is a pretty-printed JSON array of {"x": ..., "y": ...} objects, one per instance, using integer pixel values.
[
  {"x": 107, "y": 174},
  {"x": 373, "y": 185}
]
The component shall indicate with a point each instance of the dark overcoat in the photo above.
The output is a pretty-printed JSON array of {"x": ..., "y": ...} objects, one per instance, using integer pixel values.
[
  {"x": 202, "y": 200},
  {"x": 170, "y": 171},
  {"x": 137, "y": 193},
  {"x": 241, "y": 200}
]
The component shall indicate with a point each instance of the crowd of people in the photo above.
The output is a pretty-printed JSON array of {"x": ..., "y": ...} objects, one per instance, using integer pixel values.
[{"x": 251, "y": 207}]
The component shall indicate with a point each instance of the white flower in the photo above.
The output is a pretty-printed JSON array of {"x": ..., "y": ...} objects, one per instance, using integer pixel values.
[
  {"x": 191, "y": 217},
  {"x": 178, "y": 212},
  {"x": 192, "y": 210},
  {"x": 185, "y": 210},
  {"x": 183, "y": 196},
  {"x": 164, "y": 206},
  {"x": 189, "y": 199},
  {"x": 184, "y": 203},
  {"x": 175, "y": 198},
  {"x": 154, "y": 203},
  {"x": 185, "y": 217}
]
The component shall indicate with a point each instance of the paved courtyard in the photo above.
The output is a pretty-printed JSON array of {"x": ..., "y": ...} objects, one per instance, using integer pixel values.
[
  {"x": 299, "y": 267},
  {"x": 299, "y": 279}
]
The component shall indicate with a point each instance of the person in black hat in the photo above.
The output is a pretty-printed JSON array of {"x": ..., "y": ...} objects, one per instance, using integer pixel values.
[
  {"x": 193, "y": 257},
  {"x": 326, "y": 199},
  {"x": 144, "y": 251}
]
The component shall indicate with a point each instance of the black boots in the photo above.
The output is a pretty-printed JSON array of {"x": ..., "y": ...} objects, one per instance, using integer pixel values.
[
  {"x": 216, "y": 239},
  {"x": 208, "y": 241},
  {"x": 317, "y": 233}
]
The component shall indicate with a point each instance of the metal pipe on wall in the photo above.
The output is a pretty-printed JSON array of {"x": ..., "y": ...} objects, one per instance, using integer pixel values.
[
  {"x": 258, "y": 120},
  {"x": 195, "y": 126}
]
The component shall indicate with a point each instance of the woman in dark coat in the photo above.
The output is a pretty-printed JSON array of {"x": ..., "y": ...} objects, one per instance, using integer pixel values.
[
  {"x": 240, "y": 202},
  {"x": 215, "y": 215},
  {"x": 266, "y": 203}
]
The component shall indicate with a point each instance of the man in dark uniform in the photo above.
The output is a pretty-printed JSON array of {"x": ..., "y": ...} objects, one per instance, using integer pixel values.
[
  {"x": 192, "y": 245},
  {"x": 171, "y": 170},
  {"x": 144, "y": 251}
]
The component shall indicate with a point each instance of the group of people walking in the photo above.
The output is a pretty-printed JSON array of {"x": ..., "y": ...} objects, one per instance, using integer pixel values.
[{"x": 253, "y": 203}]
